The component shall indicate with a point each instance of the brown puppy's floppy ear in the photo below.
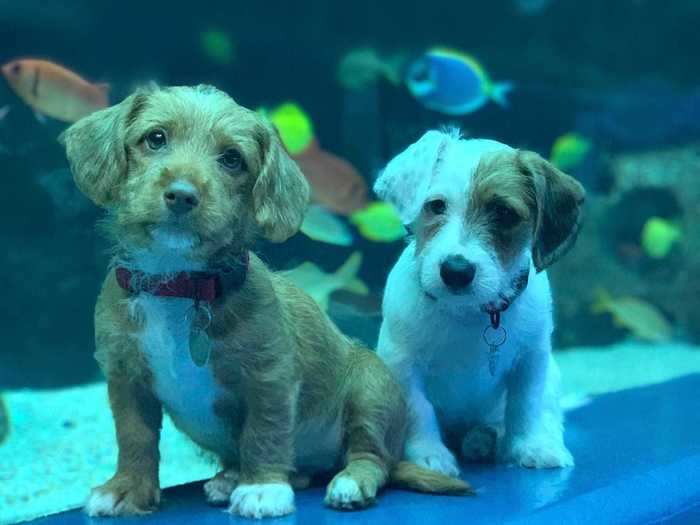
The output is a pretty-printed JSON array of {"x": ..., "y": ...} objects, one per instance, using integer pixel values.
[
  {"x": 96, "y": 150},
  {"x": 281, "y": 193},
  {"x": 559, "y": 198}
]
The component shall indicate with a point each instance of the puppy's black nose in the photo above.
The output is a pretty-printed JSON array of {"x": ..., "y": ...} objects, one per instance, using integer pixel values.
[
  {"x": 181, "y": 198},
  {"x": 457, "y": 273}
]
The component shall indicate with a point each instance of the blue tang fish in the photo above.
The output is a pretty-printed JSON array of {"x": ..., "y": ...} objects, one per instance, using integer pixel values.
[{"x": 453, "y": 83}]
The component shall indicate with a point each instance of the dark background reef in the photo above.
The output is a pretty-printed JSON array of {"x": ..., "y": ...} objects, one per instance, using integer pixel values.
[{"x": 594, "y": 66}]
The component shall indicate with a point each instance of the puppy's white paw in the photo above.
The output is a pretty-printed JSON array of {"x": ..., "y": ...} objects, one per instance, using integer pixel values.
[
  {"x": 262, "y": 500},
  {"x": 120, "y": 498},
  {"x": 538, "y": 452},
  {"x": 479, "y": 444},
  {"x": 433, "y": 456},
  {"x": 101, "y": 504},
  {"x": 218, "y": 489},
  {"x": 344, "y": 493}
]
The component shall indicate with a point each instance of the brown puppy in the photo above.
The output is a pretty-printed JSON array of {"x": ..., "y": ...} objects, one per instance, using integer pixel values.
[{"x": 245, "y": 363}]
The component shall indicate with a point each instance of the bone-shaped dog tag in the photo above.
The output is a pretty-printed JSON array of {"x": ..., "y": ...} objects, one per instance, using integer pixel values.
[{"x": 493, "y": 359}]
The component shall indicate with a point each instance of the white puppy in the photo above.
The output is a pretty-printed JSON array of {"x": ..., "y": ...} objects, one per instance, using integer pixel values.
[{"x": 468, "y": 309}]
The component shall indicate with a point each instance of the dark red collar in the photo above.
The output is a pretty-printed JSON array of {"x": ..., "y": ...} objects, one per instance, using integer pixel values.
[{"x": 199, "y": 286}]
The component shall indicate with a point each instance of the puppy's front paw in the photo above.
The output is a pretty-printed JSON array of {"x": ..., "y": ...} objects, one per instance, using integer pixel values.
[
  {"x": 218, "y": 489},
  {"x": 262, "y": 500},
  {"x": 345, "y": 492},
  {"x": 433, "y": 456},
  {"x": 479, "y": 444},
  {"x": 122, "y": 496},
  {"x": 537, "y": 452}
]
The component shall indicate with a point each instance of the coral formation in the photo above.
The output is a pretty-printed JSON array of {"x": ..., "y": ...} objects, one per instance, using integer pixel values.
[{"x": 608, "y": 253}]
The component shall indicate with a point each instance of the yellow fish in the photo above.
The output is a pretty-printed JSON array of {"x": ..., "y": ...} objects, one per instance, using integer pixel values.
[
  {"x": 321, "y": 225},
  {"x": 569, "y": 150},
  {"x": 294, "y": 126},
  {"x": 640, "y": 318},
  {"x": 379, "y": 222},
  {"x": 659, "y": 236},
  {"x": 320, "y": 285}
]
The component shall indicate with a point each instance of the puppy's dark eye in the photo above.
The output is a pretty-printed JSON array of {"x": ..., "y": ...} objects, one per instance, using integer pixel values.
[
  {"x": 156, "y": 139},
  {"x": 436, "y": 206},
  {"x": 232, "y": 160},
  {"x": 505, "y": 216}
]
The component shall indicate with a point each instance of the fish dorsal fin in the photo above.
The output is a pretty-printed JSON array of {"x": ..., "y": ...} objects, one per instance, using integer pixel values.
[
  {"x": 349, "y": 268},
  {"x": 454, "y": 54}
]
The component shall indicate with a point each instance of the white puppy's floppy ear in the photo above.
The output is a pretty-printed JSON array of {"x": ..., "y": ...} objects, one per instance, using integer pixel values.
[
  {"x": 406, "y": 179},
  {"x": 96, "y": 149},
  {"x": 559, "y": 198}
]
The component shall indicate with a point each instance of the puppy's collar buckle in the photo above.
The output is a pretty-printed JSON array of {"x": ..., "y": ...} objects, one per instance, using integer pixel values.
[{"x": 495, "y": 318}]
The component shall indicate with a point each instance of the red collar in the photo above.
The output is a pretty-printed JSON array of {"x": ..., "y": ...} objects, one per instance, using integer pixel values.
[{"x": 199, "y": 286}]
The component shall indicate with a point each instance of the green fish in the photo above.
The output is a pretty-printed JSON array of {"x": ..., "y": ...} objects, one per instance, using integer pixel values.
[
  {"x": 570, "y": 150},
  {"x": 379, "y": 222},
  {"x": 294, "y": 126},
  {"x": 217, "y": 46},
  {"x": 659, "y": 236}
]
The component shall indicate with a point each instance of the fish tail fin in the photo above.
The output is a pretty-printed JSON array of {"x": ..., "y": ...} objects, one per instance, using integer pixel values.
[
  {"x": 411, "y": 476},
  {"x": 499, "y": 93},
  {"x": 601, "y": 302},
  {"x": 356, "y": 286},
  {"x": 104, "y": 87},
  {"x": 347, "y": 274}
]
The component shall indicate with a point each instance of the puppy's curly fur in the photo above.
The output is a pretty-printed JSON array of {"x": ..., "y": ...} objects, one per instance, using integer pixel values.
[{"x": 284, "y": 391}]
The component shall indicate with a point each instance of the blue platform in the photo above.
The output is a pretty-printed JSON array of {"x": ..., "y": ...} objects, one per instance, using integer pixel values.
[{"x": 638, "y": 461}]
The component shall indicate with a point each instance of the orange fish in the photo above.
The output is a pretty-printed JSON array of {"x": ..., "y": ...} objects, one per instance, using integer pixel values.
[
  {"x": 53, "y": 90},
  {"x": 336, "y": 184}
]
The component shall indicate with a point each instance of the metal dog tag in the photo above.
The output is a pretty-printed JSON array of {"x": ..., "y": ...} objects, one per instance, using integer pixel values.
[
  {"x": 493, "y": 359},
  {"x": 494, "y": 337},
  {"x": 200, "y": 344}
]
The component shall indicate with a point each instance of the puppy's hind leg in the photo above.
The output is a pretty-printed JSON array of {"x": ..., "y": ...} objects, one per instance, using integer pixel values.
[
  {"x": 218, "y": 489},
  {"x": 374, "y": 429},
  {"x": 479, "y": 444}
]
